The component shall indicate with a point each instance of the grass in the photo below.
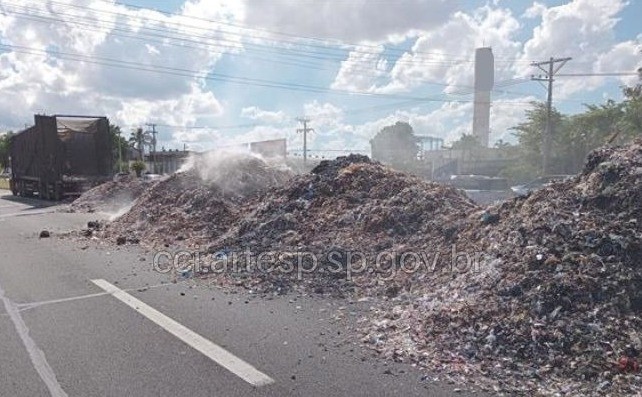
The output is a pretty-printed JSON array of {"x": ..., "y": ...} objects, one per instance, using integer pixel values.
[{"x": 4, "y": 183}]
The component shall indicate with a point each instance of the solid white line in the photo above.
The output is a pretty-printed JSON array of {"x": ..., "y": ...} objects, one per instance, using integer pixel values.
[
  {"x": 216, "y": 353},
  {"x": 35, "y": 354}
]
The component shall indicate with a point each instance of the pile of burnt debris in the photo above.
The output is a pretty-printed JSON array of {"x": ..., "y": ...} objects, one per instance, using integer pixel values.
[
  {"x": 194, "y": 207},
  {"x": 113, "y": 197},
  {"x": 539, "y": 294},
  {"x": 553, "y": 304}
]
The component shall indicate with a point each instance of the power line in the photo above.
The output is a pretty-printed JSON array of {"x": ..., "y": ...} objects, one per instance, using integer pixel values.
[
  {"x": 36, "y": 13},
  {"x": 325, "y": 41},
  {"x": 606, "y": 74},
  {"x": 208, "y": 75},
  {"x": 202, "y": 127},
  {"x": 363, "y": 69}
]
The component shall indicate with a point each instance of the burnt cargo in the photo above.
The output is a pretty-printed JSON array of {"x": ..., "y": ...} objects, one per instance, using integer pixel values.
[{"x": 60, "y": 156}]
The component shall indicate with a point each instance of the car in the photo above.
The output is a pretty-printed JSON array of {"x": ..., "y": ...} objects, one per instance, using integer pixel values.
[
  {"x": 151, "y": 177},
  {"x": 537, "y": 183}
]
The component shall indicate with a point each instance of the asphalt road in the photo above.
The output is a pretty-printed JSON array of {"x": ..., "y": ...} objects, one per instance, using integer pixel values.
[{"x": 62, "y": 334}]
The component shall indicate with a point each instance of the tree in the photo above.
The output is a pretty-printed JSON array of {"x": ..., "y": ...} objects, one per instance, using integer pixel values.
[
  {"x": 119, "y": 145},
  {"x": 4, "y": 149},
  {"x": 575, "y": 136},
  {"x": 598, "y": 125},
  {"x": 396, "y": 145},
  {"x": 137, "y": 141},
  {"x": 631, "y": 122},
  {"x": 529, "y": 137}
]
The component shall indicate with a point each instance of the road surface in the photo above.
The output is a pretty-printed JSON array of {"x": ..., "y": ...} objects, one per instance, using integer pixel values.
[{"x": 93, "y": 319}]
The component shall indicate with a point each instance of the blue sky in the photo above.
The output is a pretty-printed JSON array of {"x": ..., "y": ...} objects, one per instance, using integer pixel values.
[{"x": 352, "y": 67}]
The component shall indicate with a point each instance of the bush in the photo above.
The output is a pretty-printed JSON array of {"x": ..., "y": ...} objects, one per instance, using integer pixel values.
[{"x": 138, "y": 167}]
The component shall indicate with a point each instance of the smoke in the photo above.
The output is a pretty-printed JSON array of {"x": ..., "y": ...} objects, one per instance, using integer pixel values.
[
  {"x": 118, "y": 211},
  {"x": 237, "y": 172}
]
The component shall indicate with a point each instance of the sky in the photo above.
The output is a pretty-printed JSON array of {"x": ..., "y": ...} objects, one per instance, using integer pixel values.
[{"x": 214, "y": 73}]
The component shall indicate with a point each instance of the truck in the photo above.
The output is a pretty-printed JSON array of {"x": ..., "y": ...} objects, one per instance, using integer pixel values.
[{"x": 60, "y": 156}]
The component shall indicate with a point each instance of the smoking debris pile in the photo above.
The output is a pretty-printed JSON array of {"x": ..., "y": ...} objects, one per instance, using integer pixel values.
[
  {"x": 348, "y": 206},
  {"x": 551, "y": 305},
  {"x": 555, "y": 307},
  {"x": 110, "y": 197},
  {"x": 193, "y": 207}
]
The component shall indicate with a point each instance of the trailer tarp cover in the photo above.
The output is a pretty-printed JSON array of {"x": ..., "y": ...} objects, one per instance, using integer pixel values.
[{"x": 83, "y": 143}]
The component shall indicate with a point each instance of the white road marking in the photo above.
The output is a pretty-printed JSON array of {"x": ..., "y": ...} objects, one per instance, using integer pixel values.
[
  {"x": 32, "y": 305},
  {"x": 216, "y": 353},
  {"x": 16, "y": 205},
  {"x": 28, "y": 213},
  {"x": 35, "y": 354},
  {"x": 26, "y": 306}
]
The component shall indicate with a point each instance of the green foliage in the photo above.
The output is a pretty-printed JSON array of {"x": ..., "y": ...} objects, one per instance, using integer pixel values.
[
  {"x": 118, "y": 143},
  {"x": 4, "y": 149},
  {"x": 631, "y": 123},
  {"x": 396, "y": 145},
  {"x": 573, "y": 137},
  {"x": 466, "y": 142},
  {"x": 138, "y": 167},
  {"x": 124, "y": 166}
]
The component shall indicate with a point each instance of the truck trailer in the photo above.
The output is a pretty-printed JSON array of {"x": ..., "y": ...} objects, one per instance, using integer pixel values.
[{"x": 60, "y": 156}]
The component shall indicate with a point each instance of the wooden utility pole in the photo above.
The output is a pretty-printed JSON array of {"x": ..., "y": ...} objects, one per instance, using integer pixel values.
[
  {"x": 305, "y": 131},
  {"x": 120, "y": 153},
  {"x": 548, "y": 76}
]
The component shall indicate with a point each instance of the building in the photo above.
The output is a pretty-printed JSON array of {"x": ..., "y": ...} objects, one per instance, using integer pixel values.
[
  {"x": 166, "y": 161},
  {"x": 484, "y": 81}
]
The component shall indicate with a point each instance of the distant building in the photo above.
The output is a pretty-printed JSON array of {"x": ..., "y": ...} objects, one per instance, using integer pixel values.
[
  {"x": 166, "y": 161},
  {"x": 271, "y": 148}
]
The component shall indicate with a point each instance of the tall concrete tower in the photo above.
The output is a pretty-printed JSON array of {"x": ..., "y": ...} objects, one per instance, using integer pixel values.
[{"x": 484, "y": 81}]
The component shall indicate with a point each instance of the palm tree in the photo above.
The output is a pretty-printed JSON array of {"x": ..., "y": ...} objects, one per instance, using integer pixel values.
[{"x": 136, "y": 140}]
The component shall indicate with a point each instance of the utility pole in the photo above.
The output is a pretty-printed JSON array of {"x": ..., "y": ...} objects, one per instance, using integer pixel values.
[
  {"x": 305, "y": 131},
  {"x": 120, "y": 154},
  {"x": 153, "y": 154},
  {"x": 549, "y": 75}
]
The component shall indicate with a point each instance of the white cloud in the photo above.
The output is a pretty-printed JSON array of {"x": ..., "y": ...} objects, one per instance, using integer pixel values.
[
  {"x": 324, "y": 115},
  {"x": 581, "y": 29},
  {"x": 264, "y": 116},
  {"x": 32, "y": 81},
  {"x": 534, "y": 11},
  {"x": 362, "y": 70},
  {"x": 434, "y": 58},
  {"x": 353, "y": 20},
  {"x": 623, "y": 57}
]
